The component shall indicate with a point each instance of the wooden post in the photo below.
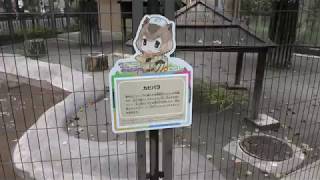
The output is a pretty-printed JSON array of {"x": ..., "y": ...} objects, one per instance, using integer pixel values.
[
  {"x": 96, "y": 62},
  {"x": 258, "y": 84},
  {"x": 238, "y": 68},
  {"x": 137, "y": 14}
]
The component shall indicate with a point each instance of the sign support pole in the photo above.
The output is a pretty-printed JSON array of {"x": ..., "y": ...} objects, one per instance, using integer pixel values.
[
  {"x": 154, "y": 155},
  {"x": 153, "y": 8},
  {"x": 167, "y": 134},
  {"x": 137, "y": 15}
]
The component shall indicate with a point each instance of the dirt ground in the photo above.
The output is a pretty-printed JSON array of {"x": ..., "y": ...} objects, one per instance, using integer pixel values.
[{"x": 20, "y": 107}]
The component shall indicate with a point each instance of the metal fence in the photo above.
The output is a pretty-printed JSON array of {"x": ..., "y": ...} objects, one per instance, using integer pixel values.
[
  {"x": 55, "y": 115},
  {"x": 24, "y": 22}
]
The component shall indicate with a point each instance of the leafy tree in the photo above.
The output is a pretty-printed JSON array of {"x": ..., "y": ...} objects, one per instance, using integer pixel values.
[
  {"x": 249, "y": 7},
  {"x": 282, "y": 31}
]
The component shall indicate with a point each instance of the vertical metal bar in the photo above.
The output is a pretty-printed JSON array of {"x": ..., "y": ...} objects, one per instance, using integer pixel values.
[
  {"x": 167, "y": 150},
  {"x": 137, "y": 13},
  {"x": 154, "y": 8},
  {"x": 255, "y": 103},
  {"x": 169, "y": 7},
  {"x": 167, "y": 135},
  {"x": 141, "y": 155},
  {"x": 238, "y": 68},
  {"x": 154, "y": 155}
]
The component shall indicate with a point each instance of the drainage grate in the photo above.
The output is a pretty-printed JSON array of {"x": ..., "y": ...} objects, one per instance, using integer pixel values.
[{"x": 266, "y": 148}]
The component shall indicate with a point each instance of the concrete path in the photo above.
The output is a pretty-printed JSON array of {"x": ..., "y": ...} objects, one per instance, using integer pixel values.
[
  {"x": 310, "y": 172},
  {"x": 47, "y": 151}
]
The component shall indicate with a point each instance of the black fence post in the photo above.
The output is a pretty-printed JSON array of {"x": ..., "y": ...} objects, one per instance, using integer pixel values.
[
  {"x": 137, "y": 14},
  {"x": 154, "y": 8},
  {"x": 167, "y": 134}
]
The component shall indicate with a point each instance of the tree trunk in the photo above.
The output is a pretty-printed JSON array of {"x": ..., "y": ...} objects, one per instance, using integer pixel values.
[
  {"x": 51, "y": 18},
  {"x": 282, "y": 31},
  {"x": 89, "y": 24},
  {"x": 67, "y": 12},
  {"x": 9, "y": 10}
]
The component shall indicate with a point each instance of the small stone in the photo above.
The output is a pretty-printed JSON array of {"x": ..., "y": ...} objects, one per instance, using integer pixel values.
[
  {"x": 121, "y": 142},
  {"x": 81, "y": 129},
  {"x": 237, "y": 160},
  {"x": 209, "y": 156},
  {"x": 217, "y": 42},
  {"x": 4, "y": 114},
  {"x": 296, "y": 134},
  {"x": 274, "y": 164},
  {"x": 200, "y": 41},
  {"x": 64, "y": 142},
  {"x": 234, "y": 138},
  {"x": 256, "y": 130},
  {"x": 271, "y": 110},
  {"x": 248, "y": 173},
  {"x": 266, "y": 175},
  {"x": 103, "y": 131},
  {"x": 278, "y": 175}
]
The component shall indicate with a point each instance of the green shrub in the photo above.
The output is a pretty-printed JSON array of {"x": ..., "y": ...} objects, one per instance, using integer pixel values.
[
  {"x": 217, "y": 95},
  {"x": 39, "y": 32}
]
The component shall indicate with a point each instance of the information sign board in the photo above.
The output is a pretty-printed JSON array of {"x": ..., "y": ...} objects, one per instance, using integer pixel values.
[{"x": 151, "y": 90}]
